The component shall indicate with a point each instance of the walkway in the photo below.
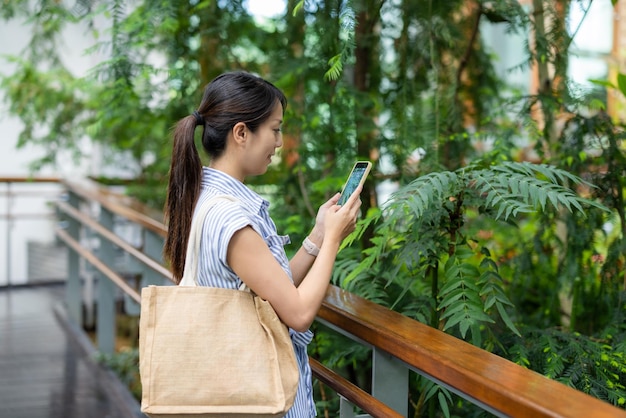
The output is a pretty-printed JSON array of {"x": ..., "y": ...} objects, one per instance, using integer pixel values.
[{"x": 46, "y": 369}]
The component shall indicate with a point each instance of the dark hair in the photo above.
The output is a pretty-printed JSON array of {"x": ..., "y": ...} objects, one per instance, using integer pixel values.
[{"x": 227, "y": 100}]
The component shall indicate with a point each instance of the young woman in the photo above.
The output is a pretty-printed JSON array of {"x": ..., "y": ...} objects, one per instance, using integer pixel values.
[{"x": 241, "y": 116}]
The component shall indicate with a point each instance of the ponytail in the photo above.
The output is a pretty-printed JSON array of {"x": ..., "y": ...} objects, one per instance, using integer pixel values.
[{"x": 184, "y": 188}]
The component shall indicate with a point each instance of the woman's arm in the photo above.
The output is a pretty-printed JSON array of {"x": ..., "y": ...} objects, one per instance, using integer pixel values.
[
  {"x": 302, "y": 261},
  {"x": 251, "y": 259}
]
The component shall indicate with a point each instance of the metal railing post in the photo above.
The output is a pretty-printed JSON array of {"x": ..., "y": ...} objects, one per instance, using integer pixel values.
[
  {"x": 390, "y": 381},
  {"x": 8, "y": 234},
  {"x": 89, "y": 240},
  {"x": 137, "y": 271},
  {"x": 73, "y": 295},
  {"x": 346, "y": 408},
  {"x": 153, "y": 248},
  {"x": 105, "y": 316}
]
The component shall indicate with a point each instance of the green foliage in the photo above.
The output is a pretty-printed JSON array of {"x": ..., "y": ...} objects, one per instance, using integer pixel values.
[
  {"x": 423, "y": 242},
  {"x": 49, "y": 103},
  {"x": 592, "y": 365},
  {"x": 423, "y": 225},
  {"x": 347, "y": 23},
  {"x": 125, "y": 364},
  {"x": 515, "y": 189},
  {"x": 461, "y": 301}
]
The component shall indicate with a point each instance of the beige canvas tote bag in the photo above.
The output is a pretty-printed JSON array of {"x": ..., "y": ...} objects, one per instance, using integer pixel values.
[{"x": 212, "y": 352}]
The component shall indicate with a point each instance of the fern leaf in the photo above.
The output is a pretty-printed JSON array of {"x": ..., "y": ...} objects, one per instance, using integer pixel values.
[
  {"x": 443, "y": 403},
  {"x": 449, "y": 300},
  {"x": 493, "y": 292},
  {"x": 454, "y": 310},
  {"x": 299, "y": 6},
  {"x": 515, "y": 188},
  {"x": 461, "y": 304},
  {"x": 373, "y": 216},
  {"x": 507, "y": 320},
  {"x": 451, "y": 269},
  {"x": 359, "y": 269},
  {"x": 451, "y": 283},
  {"x": 335, "y": 68},
  {"x": 490, "y": 301},
  {"x": 519, "y": 355}
]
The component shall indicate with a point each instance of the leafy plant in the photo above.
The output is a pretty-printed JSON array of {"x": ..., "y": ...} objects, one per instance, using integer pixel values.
[
  {"x": 125, "y": 364},
  {"x": 421, "y": 235},
  {"x": 592, "y": 365},
  {"x": 423, "y": 220}
]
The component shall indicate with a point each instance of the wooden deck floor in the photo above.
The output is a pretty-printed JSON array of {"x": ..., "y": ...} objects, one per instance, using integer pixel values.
[{"x": 45, "y": 371}]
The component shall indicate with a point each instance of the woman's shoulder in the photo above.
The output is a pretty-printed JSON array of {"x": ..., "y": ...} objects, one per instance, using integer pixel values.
[{"x": 224, "y": 216}]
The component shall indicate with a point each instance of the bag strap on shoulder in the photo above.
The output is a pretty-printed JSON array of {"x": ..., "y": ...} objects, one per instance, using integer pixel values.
[{"x": 190, "y": 272}]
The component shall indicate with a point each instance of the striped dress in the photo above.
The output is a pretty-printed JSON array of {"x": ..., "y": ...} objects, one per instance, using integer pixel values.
[{"x": 226, "y": 217}]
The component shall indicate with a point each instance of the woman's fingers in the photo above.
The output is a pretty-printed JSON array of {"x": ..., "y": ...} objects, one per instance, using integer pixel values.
[
  {"x": 353, "y": 203},
  {"x": 333, "y": 200},
  {"x": 352, "y": 206}
]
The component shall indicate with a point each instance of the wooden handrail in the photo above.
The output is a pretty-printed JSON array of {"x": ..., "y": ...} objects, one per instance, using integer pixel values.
[
  {"x": 121, "y": 205},
  {"x": 113, "y": 238},
  {"x": 485, "y": 377},
  {"x": 20, "y": 179}
]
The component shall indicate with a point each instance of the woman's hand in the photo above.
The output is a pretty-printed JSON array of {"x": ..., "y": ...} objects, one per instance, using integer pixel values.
[
  {"x": 317, "y": 234},
  {"x": 340, "y": 221}
]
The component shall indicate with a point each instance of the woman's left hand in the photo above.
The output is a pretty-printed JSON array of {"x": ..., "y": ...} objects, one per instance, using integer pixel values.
[{"x": 317, "y": 234}]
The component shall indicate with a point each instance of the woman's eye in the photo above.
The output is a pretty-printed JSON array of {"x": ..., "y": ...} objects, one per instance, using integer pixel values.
[{"x": 278, "y": 130}]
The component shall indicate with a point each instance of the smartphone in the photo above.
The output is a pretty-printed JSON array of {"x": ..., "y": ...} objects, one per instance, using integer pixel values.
[{"x": 357, "y": 177}]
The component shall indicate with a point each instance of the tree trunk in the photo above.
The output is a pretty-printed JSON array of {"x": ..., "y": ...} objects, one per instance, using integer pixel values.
[{"x": 367, "y": 83}]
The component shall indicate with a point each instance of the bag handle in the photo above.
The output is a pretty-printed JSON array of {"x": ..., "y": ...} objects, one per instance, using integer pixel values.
[{"x": 190, "y": 272}]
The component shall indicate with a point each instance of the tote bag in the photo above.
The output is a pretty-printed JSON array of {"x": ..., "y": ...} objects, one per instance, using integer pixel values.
[{"x": 212, "y": 352}]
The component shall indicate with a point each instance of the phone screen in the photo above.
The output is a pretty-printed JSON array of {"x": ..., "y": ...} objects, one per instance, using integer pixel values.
[{"x": 357, "y": 176}]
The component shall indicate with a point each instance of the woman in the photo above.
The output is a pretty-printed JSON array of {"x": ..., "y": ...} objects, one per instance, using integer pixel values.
[{"x": 241, "y": 116}]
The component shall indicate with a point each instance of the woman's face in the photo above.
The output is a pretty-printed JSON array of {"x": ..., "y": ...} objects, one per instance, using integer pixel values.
[{"x": 262, "y": 144}]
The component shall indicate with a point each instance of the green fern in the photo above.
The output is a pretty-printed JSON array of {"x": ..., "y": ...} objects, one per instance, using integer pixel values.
[
  {"x": 423, "y": 221},
  {"x": 299, "y": 6},
  {"x": 424, "y": 193},
  {"x": 335, "y": 67},
  {"x": 347, "y": 22},
  {"x": 519, "y": 355},
  {"x": 422, "y": 225},
  {"x": 461, "y": 303},
  {"x": 515, "y": 188},
  {"x": 553, "y": 364},
  {"x": 587, "y": 364},
  {"x": 492, "y": 291},
  {"x": 444, "y": 397}
]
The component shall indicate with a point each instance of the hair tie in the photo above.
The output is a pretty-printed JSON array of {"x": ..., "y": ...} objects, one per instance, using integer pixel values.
[{"x": 199, "y": 118}]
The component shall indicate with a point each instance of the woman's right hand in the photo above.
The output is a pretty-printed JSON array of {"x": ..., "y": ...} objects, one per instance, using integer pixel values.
[{"x": 340, "y": 221}]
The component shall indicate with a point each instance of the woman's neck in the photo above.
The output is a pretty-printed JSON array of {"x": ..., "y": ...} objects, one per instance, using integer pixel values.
[{"x": 225, "y": 166}]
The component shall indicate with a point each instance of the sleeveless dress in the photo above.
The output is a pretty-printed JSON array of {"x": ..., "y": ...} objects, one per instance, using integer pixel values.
[{"x": 224, "y": 219}]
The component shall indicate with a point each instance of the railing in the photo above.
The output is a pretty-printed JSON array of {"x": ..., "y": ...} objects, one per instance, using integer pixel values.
[{"x": 399, "y": 344}]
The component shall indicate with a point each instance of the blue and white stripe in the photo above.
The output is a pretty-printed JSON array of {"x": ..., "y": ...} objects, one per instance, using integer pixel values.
[{"x": 226, "y": 217}]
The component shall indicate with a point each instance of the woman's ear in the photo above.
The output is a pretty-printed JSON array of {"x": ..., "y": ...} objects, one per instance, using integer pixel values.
[{"x": 240, "y": 132}]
